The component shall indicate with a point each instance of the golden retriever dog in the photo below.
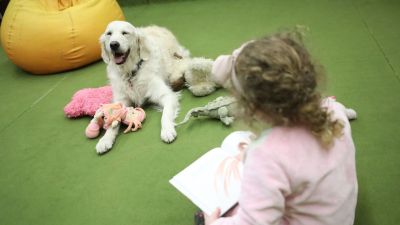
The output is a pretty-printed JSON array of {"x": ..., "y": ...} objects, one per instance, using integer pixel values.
[{"x": 143, "y": 63}]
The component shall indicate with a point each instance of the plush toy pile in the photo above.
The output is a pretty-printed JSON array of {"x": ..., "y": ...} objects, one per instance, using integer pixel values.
[{"x": 110, "y": 115}]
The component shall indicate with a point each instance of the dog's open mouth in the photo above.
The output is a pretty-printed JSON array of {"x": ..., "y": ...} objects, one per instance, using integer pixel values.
[{"x": 120, "y": 58}]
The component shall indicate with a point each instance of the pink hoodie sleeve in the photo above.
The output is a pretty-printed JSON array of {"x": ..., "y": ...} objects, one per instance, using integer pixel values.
[
  {"x": 223, "y": 66},
  {"x": 262, "y": 200}
]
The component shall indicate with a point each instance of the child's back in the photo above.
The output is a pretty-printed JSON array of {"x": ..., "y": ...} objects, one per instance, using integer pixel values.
[
  {"x": 290, "y": 179},
  {"x": 302, "y": 170}
]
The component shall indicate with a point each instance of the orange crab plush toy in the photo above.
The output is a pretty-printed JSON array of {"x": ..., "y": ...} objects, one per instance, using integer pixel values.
[{"x": 113, "y": 114}]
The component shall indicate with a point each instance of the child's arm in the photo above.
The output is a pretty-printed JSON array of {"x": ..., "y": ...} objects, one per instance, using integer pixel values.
[
  {"x": 223, "y": 66},
  {"x": 264, "y": 187}
]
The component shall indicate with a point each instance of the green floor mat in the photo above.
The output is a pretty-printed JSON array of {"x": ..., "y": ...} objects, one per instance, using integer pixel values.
[{"x": 50, "y": 173}]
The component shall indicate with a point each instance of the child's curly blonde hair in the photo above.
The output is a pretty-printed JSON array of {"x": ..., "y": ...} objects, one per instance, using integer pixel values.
[{"x": 279, "y": 82}]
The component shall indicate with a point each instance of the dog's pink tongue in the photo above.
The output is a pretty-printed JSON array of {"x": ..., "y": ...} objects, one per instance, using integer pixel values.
[{"x": 119, "y": 59}]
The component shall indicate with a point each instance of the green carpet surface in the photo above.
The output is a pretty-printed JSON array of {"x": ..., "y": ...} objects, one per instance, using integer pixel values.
[{"x": 51, "y": 175}]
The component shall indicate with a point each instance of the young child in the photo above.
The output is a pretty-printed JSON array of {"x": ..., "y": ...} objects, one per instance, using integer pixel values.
[{"x": 302, "y": 170}]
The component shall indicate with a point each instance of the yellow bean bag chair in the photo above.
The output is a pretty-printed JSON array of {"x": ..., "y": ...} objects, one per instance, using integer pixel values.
[{"x": 49, "y": 36}]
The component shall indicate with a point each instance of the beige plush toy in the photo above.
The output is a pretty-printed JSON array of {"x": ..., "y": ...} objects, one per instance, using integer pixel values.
[{"x": 196, "y": 75}]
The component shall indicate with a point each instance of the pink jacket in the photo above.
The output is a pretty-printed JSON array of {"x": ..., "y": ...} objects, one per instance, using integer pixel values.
[{"x": 289, "y": 179}]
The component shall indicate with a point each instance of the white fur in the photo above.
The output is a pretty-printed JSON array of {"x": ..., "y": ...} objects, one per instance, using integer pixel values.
[
  {"x": 156, "y": 46},
  {"x": 351, "y": 114}
]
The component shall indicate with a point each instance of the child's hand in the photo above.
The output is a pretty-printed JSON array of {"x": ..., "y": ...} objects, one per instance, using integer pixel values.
[{"x": 209, "y": 219}]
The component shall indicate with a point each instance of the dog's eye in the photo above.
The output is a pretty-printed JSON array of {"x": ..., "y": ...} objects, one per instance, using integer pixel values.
[
  {"x": 124, "y": 33},
  {"x": 109, "y": 33}
]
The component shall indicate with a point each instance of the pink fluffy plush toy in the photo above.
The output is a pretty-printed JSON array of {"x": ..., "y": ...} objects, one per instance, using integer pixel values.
[
  {"x": 85, "y": 102},
  {"x": 111, "y": 115}
]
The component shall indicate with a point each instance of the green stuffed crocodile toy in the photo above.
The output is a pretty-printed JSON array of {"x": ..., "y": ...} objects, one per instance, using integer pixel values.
[{"x": 221, "y": 108}]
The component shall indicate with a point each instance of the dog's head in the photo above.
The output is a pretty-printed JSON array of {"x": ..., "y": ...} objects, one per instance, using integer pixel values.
[{"x": 121, "y": 41}]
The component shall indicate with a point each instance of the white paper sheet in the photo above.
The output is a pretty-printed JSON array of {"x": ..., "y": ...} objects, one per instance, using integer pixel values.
[{"x": 213, "y": 180}]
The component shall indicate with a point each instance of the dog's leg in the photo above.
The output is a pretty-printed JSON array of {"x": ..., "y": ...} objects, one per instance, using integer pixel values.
[
  {"x": 176, "y": 78},
  {"x": 107, "y": 141},
  {"x": 169, "y": 102},
  {"x": 119, "y": 96},
  {"x": 122, "y": 99},
  {"x": 170, "y": 107}
]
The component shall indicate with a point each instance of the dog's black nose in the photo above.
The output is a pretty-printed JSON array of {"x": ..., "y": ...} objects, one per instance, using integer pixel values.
[{"x": 114, "y": 45}]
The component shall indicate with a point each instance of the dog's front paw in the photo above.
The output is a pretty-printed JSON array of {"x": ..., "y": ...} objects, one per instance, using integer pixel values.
[
  {"x": 168, "y": 135},
  {"x": 104, "y": 145}
]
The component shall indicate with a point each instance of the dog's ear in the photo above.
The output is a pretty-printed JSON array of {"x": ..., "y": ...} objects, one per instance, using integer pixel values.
[
  {"x": 143, "y": 45},
  {"x": 104, "y": 54}
]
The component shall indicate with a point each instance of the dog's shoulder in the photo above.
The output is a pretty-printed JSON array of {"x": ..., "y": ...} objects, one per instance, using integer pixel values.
[
  {"x": 156, "y": 32},
  {"x": 155, "y": 29}
]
